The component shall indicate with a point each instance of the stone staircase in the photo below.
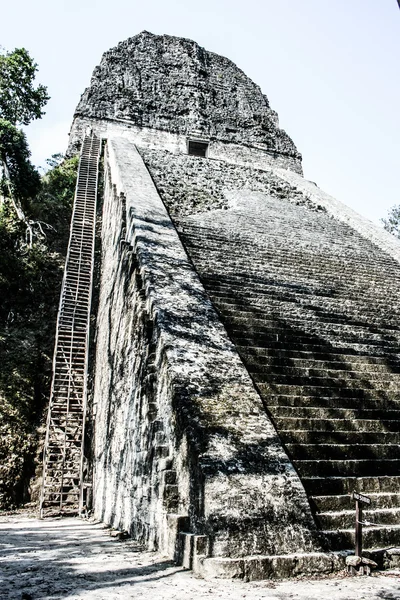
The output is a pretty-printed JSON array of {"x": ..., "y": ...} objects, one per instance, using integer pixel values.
[{"x": 313, "y": 309}]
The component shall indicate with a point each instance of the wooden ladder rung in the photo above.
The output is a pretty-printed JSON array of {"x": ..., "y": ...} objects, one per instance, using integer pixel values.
[{"x": 65, "y": 429}]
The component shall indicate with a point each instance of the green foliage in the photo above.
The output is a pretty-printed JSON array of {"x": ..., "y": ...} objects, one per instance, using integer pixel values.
[
  {"x": 392, "y": 222},
  {"x": 58, "y": 185},
  {"x": 30, "y": 274},
  {"x": 14, "y": 153},
  {"x": 30, "y": 280},
  {"x": 55, "y": 160},
  {"x": 20, "y": 101},
  {"x": 53, "y": 204}
]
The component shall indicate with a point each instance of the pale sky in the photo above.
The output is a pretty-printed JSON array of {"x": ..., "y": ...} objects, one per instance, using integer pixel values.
[{"x": 330, "y": 68}]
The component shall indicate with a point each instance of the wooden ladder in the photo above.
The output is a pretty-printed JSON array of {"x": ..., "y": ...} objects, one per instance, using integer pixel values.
[{"x": 63, "y": 449}]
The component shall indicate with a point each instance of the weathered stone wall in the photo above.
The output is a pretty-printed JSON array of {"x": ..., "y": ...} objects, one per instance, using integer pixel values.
[
  {"x": 236, "y": 154},
  {"x": 179, "y": 428},
  {"x": 128, "y": 438},
  {"x": 172, "y": 84},
  {"x": 190, "y": 184}
]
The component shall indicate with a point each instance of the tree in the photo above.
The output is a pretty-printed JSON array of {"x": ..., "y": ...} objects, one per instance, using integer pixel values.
[
  {"x": 19, "y": 179},
  {"x": 20, "y": 101},
  {"x": 34, "y": 217},
  {"x": 392, "y": 222},
  {"x": 30, "y": 280}
]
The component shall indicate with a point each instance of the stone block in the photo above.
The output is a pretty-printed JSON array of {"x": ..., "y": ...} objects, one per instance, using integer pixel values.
[
  {"x": 271, "y": 567},
  {"x": 175, "y": 524},
  {"x": 194, "y": 548},
  {"x": 353, "y": 561}
]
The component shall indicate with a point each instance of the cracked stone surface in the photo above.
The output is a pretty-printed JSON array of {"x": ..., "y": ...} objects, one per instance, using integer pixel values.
[
  {"x": 173, "y": 84},
  {"x": 190, "y": 185}
]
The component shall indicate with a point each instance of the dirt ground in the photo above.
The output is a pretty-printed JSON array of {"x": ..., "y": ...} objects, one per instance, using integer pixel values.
[{"x": 73, "y": 559}]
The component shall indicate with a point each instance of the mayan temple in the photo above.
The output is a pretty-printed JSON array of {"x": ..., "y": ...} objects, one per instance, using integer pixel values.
[{"x": 235, "y": 376}]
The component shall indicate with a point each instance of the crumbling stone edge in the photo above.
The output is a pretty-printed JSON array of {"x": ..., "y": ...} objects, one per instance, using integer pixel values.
[{"x": 193, "y": 555}]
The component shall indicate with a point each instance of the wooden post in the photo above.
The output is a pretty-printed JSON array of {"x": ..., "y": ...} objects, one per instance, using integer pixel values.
[
  {"x": 361, "y": 501},
  {"x": 358, "y": 528}
]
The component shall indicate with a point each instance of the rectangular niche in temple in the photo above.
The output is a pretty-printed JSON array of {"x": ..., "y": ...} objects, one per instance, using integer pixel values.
[{"x": 197, "y": 148}]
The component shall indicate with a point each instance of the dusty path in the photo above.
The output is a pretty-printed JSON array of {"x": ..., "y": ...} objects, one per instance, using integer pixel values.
[{"x": 71, "y": 559}]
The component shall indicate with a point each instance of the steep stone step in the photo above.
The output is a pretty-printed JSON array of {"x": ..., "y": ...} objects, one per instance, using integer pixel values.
[
  {"x": 288, "y": 290},
  {"x": 315, "y": 368},
  {"x": 339, "y": 402},
  {"x": 306, "y": 412},
  {"x": 378, "y": 269},
  {"x": 281, "y": 261},
  {"x": 337, "y": 485},
  {"x": 289, "y": 267},
  {"x": 272, "y": 233},
  {"x": 327, "y": 392},
  {"x": 364, "y": 425},
  {"x": 280, "y": 339},
  {"x": 345, "y": 519},
  {"x": 317, "y": 347},
  {"x": 344, "y": 468},
  {"x": 314, "y": 333},
  {"x": 343, "y": 451},
  {"x": 253, "y": 322},
  {"x": 339, "y": 437},
  {"x": 316, "y": 304},
  {"x": 336, "y": 354},
  {"x": 280, "y": 264},
  {"x": 262, "y": 370},
  {"x": 349, "y": 310},
  {"x": 294, "y": 286},
  {"x": 345, "y": 502},
  {"x": 356, "y": 268},
  {"x": 373, "y": 537},
  {"x": 387, "y": 383},
  {"x": 300, "y": 318}
]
